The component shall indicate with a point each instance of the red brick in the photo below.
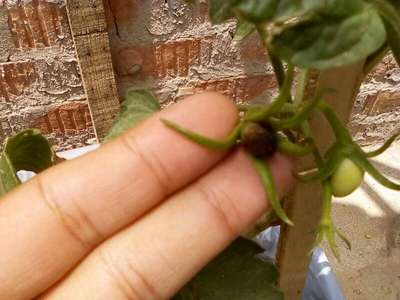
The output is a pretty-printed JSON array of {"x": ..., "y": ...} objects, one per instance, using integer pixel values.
[
  {"x": 15, "y": 78},
  {"x": 66, "y": 119},
  {"x": 138, "y": 61},
  {"x": 239, "y": 88},
  {"x": 174, "y": 58},
  {"x": 162, "y": 60},
  {"x": 252, "y": 49},
  {"x": 120, "y": 11},
  {"x": 38, "y": 24}
]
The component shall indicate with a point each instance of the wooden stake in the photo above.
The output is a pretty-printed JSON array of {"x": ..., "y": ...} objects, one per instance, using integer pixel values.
[
  {"x": 88, "y": 26},
  {"x": 304, "y": 206}
]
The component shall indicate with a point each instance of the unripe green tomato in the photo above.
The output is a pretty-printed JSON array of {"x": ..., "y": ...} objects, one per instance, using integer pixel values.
[{"x": 347, "y": 178}]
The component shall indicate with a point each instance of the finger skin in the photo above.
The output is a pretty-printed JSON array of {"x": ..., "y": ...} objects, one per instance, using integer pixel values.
[
  {"x": 156, "y": 256},
  {"x": 49, "y": 224}
]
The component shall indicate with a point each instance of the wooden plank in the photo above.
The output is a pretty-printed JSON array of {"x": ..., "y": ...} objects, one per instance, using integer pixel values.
[
  {"x": 304, "y": 205},
  {"x": 88, "y": 26}
]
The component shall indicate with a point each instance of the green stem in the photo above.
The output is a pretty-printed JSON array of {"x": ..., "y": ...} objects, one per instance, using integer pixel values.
[
  {"x": 358, "y": 157},
  {"x": 325, "y": 170},
  {"x": 298, "y": 118},
  {"x": 258, "y": 115},
  {"x": 301, "y": 86},
  {"x": 341, "y": 133},
  {"x": 214, "y": 144},
  {"x": 287, "y": 147},
  {"x": 276, "y": 62},
  {"x": 305, "y": 127},
  {"x": 384, "y": 147},
  {"x": 270, "y": 189}
]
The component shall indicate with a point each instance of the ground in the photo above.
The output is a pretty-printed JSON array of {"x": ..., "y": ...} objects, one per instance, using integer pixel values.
[{"x": 370, "y": 218}]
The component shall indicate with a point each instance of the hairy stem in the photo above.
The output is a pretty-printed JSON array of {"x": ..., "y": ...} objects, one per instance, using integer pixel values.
[
  {"x": 287, "y": 147},
  {"x": 270, "y": 189},
  {"x": 297, "y": 119},
  {"x": 214, "y": 144},
  {"x": 384, "y": 147},
  {"x": 341, "y": 132},
  {"x": 257, "y": 115},
  {"x": 358, "y": 157}
]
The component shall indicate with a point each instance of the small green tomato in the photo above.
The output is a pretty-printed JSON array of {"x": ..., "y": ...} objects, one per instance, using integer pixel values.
[{"x": 347, "y": 178}]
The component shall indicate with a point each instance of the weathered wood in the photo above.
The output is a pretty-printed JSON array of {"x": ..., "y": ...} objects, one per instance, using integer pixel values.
[
  {"x": 304, "y": 206},
  {"x": 88, "y": 26}
]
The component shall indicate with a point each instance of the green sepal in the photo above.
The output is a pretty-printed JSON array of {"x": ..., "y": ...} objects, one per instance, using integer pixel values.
[
  {"x": 384, "y": 147},
  {"x": 359, "y": 158},
  {"x": 213, "y": 144},
  {"x": 326, "y": 229},
  {"x": 270, "y": 189}
]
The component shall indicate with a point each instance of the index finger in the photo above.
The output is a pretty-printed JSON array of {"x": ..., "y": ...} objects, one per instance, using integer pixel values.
[{"x": 49, "y": 224}]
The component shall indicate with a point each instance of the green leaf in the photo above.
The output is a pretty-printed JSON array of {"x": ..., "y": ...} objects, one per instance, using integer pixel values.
[
  {"x": 392, "y": 22},
  {"x": 323, "y": 42},
  {"x": 29, "y": 150},
  {"x": 138, "y": 105},
  {"x": 396, "y": 4},
  {"x": 221, "y": 10},
  {"x": 275, "y": 10},
  {"x": 236, "y": 274},
  {"x": 243, "y": 30},
  {"x": 281, "y": 10}
]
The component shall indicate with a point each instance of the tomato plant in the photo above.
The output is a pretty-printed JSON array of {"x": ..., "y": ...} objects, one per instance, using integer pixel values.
[{"x": 299, "y": 36}]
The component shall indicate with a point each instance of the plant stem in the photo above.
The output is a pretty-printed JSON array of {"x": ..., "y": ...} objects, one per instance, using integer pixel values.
[
  {"x": 287, "y": 147},
  {"x": 276, "y": 62},
  {"x": 258, "y": 115},
  {"x": 213, "y": 144},
  {"x": 301, "y": 86},
  {"x": 384, "y": 147},
  {"x": 298, "y": 118},
  {"x": 341, "y": 133},
  {"x": 270, "y": 189}
]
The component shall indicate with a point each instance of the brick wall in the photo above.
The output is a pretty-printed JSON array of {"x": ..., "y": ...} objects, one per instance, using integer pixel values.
[
  {"x": 40, "y": 84},
  {"x": 172, "y": 48},
  {"x": 163, "y": 45},
  {"x": 175, "y": 50},
  {"x": 377, "y": 111}
]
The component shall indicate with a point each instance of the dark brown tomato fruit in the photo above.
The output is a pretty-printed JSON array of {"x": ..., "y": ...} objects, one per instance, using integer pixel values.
[{"x": 259, "y": 139}]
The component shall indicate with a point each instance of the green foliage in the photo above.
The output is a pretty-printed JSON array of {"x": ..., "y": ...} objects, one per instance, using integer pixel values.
[
  {"x": 221, "y": 10},
  {"x": 29, "y": 150},
  {"x": 390, "y": 14},
  {"x": 313, "y": 33},
  {"x": 321, "y": 44},
  {"x": 260, "y": 11},
  {"x": 138, "y": 105},
  {"x": 243, "y": 30},
  {"x": 236, "y": 274}
]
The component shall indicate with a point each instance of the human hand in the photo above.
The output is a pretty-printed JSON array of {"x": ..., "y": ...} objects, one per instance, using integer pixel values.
[{"x": 137, "y": 218}]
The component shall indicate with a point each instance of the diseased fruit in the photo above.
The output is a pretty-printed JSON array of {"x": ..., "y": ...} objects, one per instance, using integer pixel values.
[{"x": 259, "y": 140}]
